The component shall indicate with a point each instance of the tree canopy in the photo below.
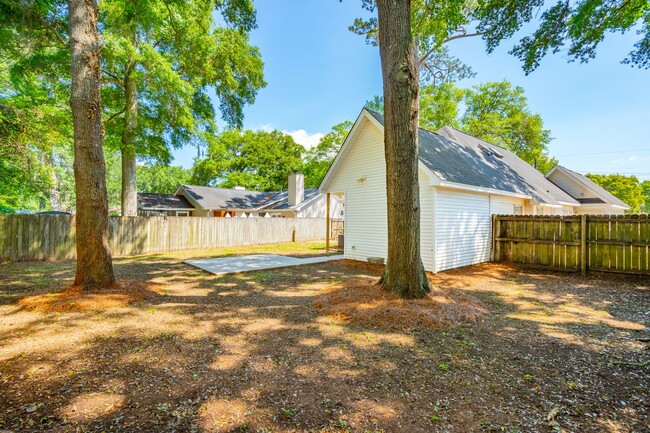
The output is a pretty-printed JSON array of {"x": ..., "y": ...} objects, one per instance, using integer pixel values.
[
  {"x": 319, "y": 158},
  {"x": 163, "y": 65},
  {"x": 162, "y": 59},
  {"x": 574, "y": 27},
  {"x": 35, "y": 121},
  {"x": 163, "y": 179},
  {"x": 645, "y": 188},
  {"x": 497, "y": 112},
  {"x": 257, "y": 160},
  {"x": 433, "y": 24}
]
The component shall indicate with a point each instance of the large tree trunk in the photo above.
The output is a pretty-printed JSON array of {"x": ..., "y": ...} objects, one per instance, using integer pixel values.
[
  {"x": 129, "y": 135},
  {"x": 94, "y": 263},
  {"x": 404, "y": 272}
]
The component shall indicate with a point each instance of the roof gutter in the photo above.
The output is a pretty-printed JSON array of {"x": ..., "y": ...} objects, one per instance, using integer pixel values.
[{"x": 464, "y": 187}]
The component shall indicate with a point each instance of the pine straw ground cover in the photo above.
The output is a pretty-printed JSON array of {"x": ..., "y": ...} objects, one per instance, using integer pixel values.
[{"x": 505, "y": 349}]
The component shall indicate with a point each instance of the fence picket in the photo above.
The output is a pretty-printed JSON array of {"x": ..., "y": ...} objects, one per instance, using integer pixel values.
[
  {"x": 574, "y": 243},
  {"x": 52, "y": 237}
]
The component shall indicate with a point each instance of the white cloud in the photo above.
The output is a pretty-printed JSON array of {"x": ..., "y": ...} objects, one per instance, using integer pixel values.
[
  {"x": 633, "y": 158},
  {"x": 266, "y": 127},
  {"x": 300, "y": 136},
  {"x": 306, "y": 139}
]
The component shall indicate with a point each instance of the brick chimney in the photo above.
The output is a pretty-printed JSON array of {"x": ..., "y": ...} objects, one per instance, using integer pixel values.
[{"x": 296, "y": 189}]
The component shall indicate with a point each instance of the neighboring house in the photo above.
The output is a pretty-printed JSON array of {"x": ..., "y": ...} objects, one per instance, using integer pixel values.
[
  {"x": 593, "y": 198},
  {"x": 163, "y": 205},
  {"x": 463, "y": 182},
  {"x": 205, "y": 201}
]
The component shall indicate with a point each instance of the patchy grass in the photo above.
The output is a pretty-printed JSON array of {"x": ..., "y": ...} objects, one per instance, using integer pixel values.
[{"x": 251, "y": 353}]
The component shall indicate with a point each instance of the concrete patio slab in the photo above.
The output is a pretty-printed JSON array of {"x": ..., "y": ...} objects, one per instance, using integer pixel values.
[{"x": 255, "y": 262}]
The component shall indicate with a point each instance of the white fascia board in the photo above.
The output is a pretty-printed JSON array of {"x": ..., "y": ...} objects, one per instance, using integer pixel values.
[
  {"x": 483, "y": 190},
  {"x": 557, "y": 166},
  {"x": 322, "y": 188},
  {"x": 305, "y": 204}
]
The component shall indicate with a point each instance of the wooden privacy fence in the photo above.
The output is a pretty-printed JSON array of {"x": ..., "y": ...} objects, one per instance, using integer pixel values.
[
  {"x": 52, "y": 237},
  {"x": 610, "y": 243}
]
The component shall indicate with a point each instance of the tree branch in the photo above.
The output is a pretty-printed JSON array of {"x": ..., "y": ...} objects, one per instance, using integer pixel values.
[
  {"x": 461, "y": 36},
  {"x": 423, "y": 59},
  {"x": 114, "y": 115},
  {"x": 114, "y": 79}
]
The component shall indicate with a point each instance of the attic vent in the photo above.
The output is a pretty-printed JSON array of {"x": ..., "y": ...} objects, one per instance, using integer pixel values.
[{"x": 489, "y": 151}]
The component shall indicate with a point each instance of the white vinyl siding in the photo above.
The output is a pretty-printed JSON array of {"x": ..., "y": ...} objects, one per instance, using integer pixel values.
[
  {"x": 505, "y": 205},
  {"x": 426, "y": 223},
  {"x": 361, "y": 176},
  {"x": 462, "y": 229}
]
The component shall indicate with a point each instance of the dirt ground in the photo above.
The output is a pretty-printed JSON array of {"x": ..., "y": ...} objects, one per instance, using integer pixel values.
[{"x": 251, "y": 353}]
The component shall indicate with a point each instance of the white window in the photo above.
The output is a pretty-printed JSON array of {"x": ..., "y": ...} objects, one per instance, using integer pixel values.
[
  {"x": 517, "y": 209},
  {"x": 182, "y": 213}
]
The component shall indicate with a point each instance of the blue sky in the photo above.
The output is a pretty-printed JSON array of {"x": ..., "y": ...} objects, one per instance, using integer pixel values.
[{"x": 319, "y": 74}]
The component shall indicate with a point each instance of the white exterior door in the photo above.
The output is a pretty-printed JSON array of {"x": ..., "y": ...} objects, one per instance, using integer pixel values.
[{"x": 462, "y": 229}]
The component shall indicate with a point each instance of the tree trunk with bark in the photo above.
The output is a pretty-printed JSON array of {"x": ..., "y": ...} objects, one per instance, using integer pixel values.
[
  {"x": 94, "y": 262},
  {"x": 404, "y": 272},
  {"x": 129, "y": 136}
]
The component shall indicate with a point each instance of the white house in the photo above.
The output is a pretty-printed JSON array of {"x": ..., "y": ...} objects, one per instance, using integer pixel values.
[
  {"x": 463, "y": 181},
  {"x": 205, "y": 201}
]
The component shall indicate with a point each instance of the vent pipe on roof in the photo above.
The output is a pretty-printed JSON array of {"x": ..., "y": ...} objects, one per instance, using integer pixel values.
[{"x": 296, "y": 189}]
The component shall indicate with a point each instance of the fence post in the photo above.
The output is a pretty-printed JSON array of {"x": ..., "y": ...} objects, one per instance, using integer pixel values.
[
  {"x": 497, "y": 243},
  {"x": 583, "y": 244},
  {"x": 494, "y": 238},
  {"x": 327, "y": 225}
]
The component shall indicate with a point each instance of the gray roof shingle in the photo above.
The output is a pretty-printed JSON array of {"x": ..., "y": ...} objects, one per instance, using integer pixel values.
[
  {"x": 162, "y": 201},
  {"x": 461, "y": 158},
  {"x": 283, "y": 199},
  {"x": 224, "y": 198}
]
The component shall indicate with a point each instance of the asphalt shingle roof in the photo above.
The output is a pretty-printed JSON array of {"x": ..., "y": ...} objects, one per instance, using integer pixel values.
[
  {"x": 224, "y": 198},
  {"x": 163, "y": 201},
  {"x": 461, "y": 158},
  {"x": 283, "y": 199}
]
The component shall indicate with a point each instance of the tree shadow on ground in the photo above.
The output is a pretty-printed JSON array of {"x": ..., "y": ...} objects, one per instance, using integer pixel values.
[{"x": 249, "y": 352}]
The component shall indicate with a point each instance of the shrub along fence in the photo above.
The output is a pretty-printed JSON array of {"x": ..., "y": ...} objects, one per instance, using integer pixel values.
[
  {"x": 52, "y": 237},
  {"x": 610, "y": 243}
]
